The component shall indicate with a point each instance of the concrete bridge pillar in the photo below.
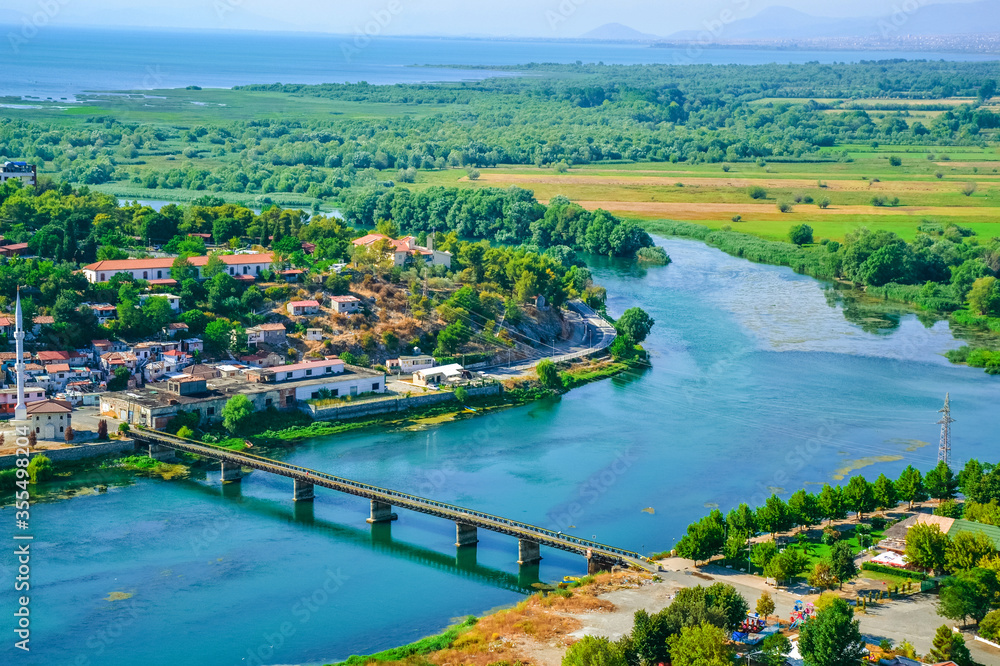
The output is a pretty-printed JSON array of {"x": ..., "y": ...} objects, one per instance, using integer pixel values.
[
  {"x": 162, "y": 453},
  {"x": 381, "y": 513},
  {"x": 302, "y": 491},
  {"x": 231, "y": 473},
  {"x": 466, "y": 535},
  {"x": 597, "y": 564},
  {"x": 528, "y": 552}
]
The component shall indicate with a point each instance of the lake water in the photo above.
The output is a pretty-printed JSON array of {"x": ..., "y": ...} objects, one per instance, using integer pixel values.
[
  {"x": 60, "y": 63},
  {"x": 757, "y": 384}
]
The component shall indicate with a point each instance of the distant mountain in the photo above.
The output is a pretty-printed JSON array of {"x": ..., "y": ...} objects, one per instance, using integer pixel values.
[
  {"x": 619, "y": 33},
  {"x": 785, "y": 23}
]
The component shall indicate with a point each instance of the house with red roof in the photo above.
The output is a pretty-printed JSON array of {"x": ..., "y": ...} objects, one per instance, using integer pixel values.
[{"x": 404, "y": 250}]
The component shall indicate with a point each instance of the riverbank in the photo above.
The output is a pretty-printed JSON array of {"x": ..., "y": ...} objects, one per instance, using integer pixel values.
[{"x": 979, "y": 332}]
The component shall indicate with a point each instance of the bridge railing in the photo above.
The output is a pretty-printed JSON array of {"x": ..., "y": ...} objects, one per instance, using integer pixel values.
[{"x": 218, "y": 451}]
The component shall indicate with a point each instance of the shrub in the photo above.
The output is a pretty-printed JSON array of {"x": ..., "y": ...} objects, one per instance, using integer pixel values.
[
  {"x": 653, "y": 255},
  {"x": 757, "y": 192},
  {"x": 785, "y": 207},
  {"x": 801, "y": 234},
  {"x": 902, "y": 573},
  {"x": 938, "y": 174},
  {"x": 895, "y": 161},
  {"x": 824, "y": 203},
  {"x": 737, "y": 218},
  {"x": 969, "y": 189},
  {"x": 40, "y": 469}
]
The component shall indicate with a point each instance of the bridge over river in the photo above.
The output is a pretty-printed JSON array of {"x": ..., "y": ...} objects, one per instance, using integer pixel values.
[{"x": 599, "y": 556}]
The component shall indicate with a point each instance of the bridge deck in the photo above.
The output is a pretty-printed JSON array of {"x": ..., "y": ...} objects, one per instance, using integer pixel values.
[{"x": 395, "y": 498}]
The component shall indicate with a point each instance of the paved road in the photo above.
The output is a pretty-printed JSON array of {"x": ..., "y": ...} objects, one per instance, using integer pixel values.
[{"x": 591, "y": 334}]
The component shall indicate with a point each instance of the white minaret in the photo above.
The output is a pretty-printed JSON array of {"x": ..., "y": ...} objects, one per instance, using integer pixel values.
[{"x": 20, "y": 411}]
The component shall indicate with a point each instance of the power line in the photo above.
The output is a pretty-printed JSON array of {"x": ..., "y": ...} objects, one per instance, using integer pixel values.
[{"x": 944, "y": 448}]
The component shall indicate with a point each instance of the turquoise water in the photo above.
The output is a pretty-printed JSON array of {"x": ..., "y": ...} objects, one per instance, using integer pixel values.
[
  {"x": 59, "y": 63},
  {"x": 757, "y": 384}
]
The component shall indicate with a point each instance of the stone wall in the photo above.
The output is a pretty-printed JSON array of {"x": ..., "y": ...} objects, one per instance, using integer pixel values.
[
  {"x": 353, "y": 410},
  {"x": 77, "y": 452}
]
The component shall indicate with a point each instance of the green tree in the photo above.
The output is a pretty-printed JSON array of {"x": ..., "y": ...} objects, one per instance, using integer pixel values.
[
  {"x": 842, "y": 563},
  {"x": 823, "y": 577},
  {"x": 984, "y": 297},
  {"x": 119, "y": 379},
  {"x": 742, "y": 519},
  {"x": 213, "y": 267},
  {"x": 774, "y": 650},
  {"x": 765, "y": 605},
  {"x": 548, "y": 374},
  {"x": 885, "y": 493},
  {"x": 949, "y": 646},
  {"x": 237, "y": 412},
  {"x": 989, "y": 628},
  {"x": 940, "y": 482},
  {"x": 804, "y": 508},
  {"x": 594, "y": 651},
  {"x": 910, "y": 486},
  {"x": 860, "y": 496},
  {"x": 966, "y": 550},
  {"x": 157, "y": 313},
  {"x": 704, "y": 538},
  {"x": 801, "y": 234},
  {"x": 182, "y": 270},
  {"x": 40, "y": 469},
  {"x": 219, "y": 336},
  {"x": 968, "y": 594},
  {"x": 786, "y": 565},
  {"x": 704, "y": 645},
  {"x": 635, "y": 325},
  {"x": 452, "y": 338},
  {"x": 831, "y": 502},
  {"x": 833, "y": 637},
  {"x": 762, "y": 553},
  {"x": 926, "y": 546},
  {"x": 649, "y": 636},
  {"x": 774, "y": 516}
]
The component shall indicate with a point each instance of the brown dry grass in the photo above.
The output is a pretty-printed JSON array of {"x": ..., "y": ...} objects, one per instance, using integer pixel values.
[
  {"x": 856, "y": 185},
  {"x": 538, "y": 620},
  {"x": 709, "y": 211}
]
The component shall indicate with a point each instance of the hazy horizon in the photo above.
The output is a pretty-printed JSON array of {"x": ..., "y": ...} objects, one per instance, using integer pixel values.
[{"x": 446, "y": 18}]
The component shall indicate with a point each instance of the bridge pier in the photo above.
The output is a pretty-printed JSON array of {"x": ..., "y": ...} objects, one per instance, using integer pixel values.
[
  {"x": 466, "y": 535},
  {"x": 528, "y": 552},
  {"x": 231, "y": 473},
  {"x": 381, "y": 513},
  {"x": 162, "y": 453},
  {"x": 302, "y": 491},
  {"x": 597, "y": 564}
]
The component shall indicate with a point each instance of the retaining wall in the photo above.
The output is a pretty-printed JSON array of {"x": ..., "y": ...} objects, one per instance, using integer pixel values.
[{"x": 77, "y": 452}]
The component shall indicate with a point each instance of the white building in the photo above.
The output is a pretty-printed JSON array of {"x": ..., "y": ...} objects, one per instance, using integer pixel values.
[
  {"x": 50, "y": 418},
  {"x": 345, "y": 304},
  {"x": 158, "y": 268},
  {"x": 27, "y": 173},
  {"x": 440, "y": 375},
  {"x": 405, "y": 365},
  {"x": 300, "y": 308}
]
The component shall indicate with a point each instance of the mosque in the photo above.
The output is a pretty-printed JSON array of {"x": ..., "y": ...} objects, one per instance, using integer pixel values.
[{"x": 48, "y": 419}]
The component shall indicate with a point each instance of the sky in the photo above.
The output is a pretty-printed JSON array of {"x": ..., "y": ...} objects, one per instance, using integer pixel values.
[{"x": 503, "y": 18}]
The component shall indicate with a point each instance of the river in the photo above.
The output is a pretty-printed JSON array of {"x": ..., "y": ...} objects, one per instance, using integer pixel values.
[{"x": 758, "y": 383}]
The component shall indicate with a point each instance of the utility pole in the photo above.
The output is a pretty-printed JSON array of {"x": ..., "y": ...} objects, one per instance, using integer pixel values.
[{"x": 944, "y": 448}]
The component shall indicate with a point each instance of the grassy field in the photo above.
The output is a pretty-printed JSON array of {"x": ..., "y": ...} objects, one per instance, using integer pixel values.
[
  {"x": 927, "y": 190},
  {"x": 928, "y": 182}
]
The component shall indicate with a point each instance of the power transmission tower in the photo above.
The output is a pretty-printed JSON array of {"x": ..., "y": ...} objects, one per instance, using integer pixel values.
[{"x": 944, "y": 449}]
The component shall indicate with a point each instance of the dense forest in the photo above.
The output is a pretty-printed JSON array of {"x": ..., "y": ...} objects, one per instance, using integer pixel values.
[{"x": 559, "y": 114}]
